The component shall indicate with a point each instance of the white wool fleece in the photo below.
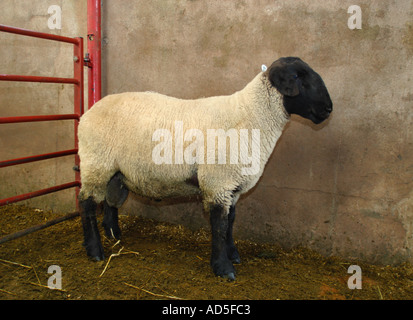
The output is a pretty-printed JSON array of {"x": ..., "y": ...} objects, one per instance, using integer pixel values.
[{"x": 117, "y": 135}]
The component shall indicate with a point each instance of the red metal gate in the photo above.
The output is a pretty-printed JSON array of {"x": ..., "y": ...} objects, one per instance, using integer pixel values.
[
  {"x": 77, "y": 81},
  {"x": 93, "y": 62}
]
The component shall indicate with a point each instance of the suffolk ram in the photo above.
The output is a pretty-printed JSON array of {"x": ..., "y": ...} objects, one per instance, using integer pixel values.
[{"x": 126, "y": 144}]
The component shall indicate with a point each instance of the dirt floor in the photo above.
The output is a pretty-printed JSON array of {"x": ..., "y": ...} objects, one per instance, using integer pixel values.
[{"x": 157, "y": 260}]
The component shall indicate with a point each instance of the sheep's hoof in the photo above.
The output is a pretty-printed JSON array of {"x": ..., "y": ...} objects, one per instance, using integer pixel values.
[
  {"x": 94, "y": 252},
  {"x": 97, "y": 258},
  {"x": 230, "y": 276},
  {"x": 225, "y": 270}
]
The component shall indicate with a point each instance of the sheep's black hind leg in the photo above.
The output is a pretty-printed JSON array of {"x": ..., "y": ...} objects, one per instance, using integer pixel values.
[
  {"x": 110, "y": 221},
  {"x": 232, "y": 251},
  {"x": 116, "y": 194},
  {"x": 220, "y": 263},
  {"x": 92, "y": 241}
]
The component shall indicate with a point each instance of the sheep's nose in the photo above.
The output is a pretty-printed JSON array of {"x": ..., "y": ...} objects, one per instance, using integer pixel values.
[{"x": 329, "y": 108}]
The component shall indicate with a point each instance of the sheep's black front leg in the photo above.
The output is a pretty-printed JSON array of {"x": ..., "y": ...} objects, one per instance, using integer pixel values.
[
  {"x": 91, "y": 234},
  {"x": 232, "y": 251},
  {"x": 110, "y": 221},
  {"x": 220, "y": 263}
]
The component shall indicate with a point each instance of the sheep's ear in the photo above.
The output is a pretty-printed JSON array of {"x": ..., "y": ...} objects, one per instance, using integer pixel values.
[{"x": 283, "y": 76}]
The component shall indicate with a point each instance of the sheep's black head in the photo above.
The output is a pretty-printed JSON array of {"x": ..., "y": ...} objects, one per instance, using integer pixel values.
[{"x": 303, "y": 89}]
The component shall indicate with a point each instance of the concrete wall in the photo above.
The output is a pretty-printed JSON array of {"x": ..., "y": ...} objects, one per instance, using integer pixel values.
[
  {"x": 344, "y": 187},
  {"x": 38, "y": 57}
]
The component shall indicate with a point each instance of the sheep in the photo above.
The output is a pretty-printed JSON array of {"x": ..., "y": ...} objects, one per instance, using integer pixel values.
[{"x": 119, "y": 134}]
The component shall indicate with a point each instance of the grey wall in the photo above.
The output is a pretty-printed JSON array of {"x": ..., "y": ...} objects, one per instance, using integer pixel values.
[{"x": 344, "y": 187}]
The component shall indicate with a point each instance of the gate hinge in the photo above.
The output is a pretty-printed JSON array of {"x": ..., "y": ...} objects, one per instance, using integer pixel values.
[{"x": 87, "y": 62}]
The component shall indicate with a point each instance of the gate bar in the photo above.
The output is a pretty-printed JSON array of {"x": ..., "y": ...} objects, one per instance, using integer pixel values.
[
  {"x": 9, "y": 77},
  {"x": 78, "y": 99},
  {"x": 39, "y": 118},
  {"x": 94, "y": 47},
  {"x": 22, "y": 233},
  {"x": 36, "y": 34},
  {"x": 38, "y": 193},
  {"x": 39, "y": 157}
]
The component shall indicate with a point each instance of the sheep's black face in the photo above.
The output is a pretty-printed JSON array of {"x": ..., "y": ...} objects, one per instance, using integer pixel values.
[{"x": 304, "y": 91}]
